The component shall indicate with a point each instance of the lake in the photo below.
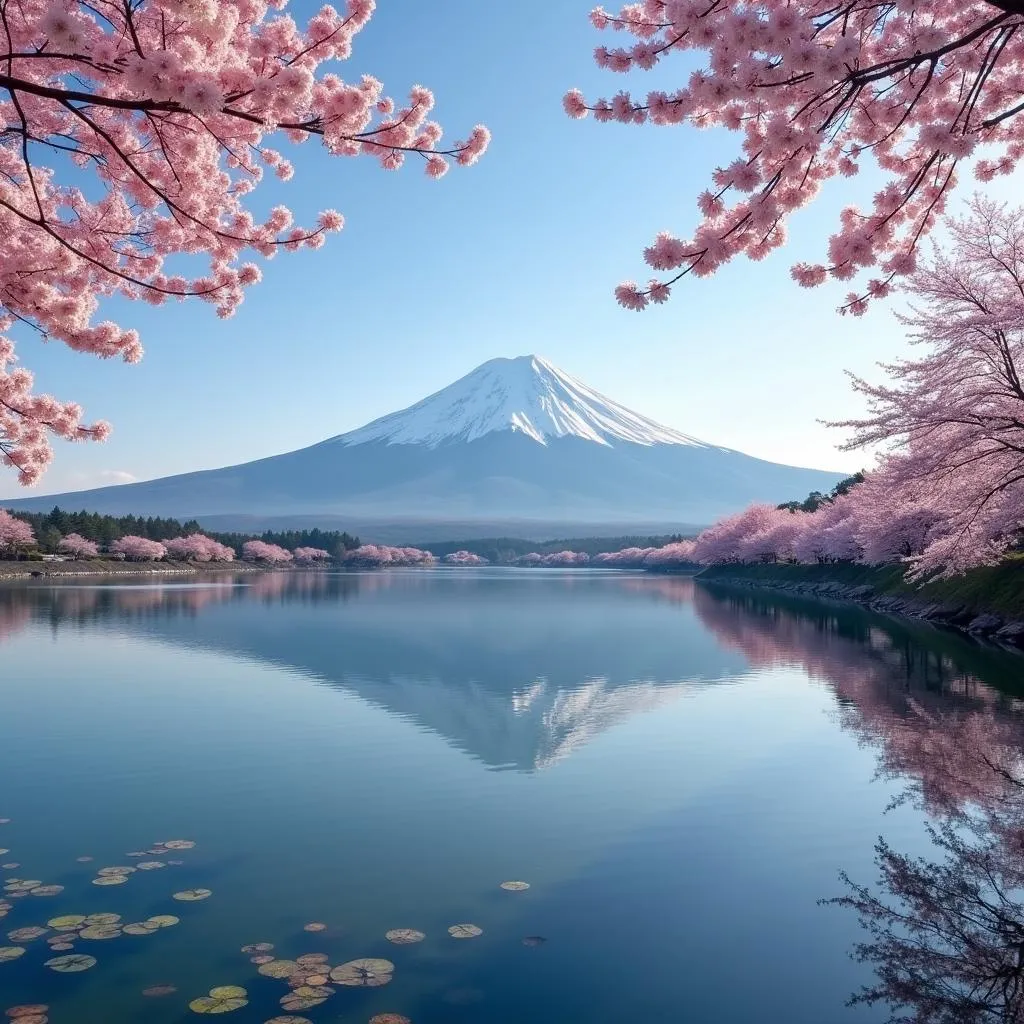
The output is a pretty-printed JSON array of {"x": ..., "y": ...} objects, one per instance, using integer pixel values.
[{"x": 679, "y": 772}]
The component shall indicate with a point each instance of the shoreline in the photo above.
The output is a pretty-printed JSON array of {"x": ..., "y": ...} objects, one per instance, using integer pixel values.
[
  {"x": 15, "y": 571},
  {"x": 961, "y": 604}
]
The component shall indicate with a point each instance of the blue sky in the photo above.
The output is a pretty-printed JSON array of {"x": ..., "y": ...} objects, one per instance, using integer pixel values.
[{"x": 518, "y": 254}]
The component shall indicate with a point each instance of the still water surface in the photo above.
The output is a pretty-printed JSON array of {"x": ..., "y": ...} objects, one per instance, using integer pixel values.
[{"x": 680, "y": 774}]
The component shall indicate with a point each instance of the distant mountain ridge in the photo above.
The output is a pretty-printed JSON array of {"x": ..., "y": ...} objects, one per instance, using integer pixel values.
[{"x": 514, "y": 440}]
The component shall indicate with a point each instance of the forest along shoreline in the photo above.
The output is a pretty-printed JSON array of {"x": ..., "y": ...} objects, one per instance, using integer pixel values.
[{"x": 986, "y": 603}]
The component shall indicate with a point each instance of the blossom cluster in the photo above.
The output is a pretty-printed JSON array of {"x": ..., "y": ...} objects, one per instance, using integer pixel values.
[
  {"x": 816, "y": 89},
  {"x": 261, "y": 551},
  {"x": 133, "y": 134},
  {"x": 380, "y": 555}
]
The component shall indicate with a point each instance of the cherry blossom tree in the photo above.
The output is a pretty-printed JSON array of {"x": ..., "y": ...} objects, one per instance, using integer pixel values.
[
  {"x": 816, "y": 88},
  {"x": 555, "y": 559},
  {"x": 311, "y": 556},
  {"x": 954, "y": 416},
  {"x": 14, "y": 534},
  {"x": 77, "y": 546},
  {"x": 138, "y": 549},
  {"x": 197, "y": 547},
  {"x": 260, "y": 551},
  {"x": 671, "y": 556},
  {"x": 132, "y": 134},
  {"x": 376, "y": 556},
  {"x": 464, "y": 558}
]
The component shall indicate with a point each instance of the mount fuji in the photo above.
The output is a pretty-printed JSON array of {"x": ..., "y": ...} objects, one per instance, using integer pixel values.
[{"x": 515, "y": 440}]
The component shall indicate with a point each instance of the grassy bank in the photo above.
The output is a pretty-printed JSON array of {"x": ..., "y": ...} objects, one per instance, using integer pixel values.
[
  {"x": 103, "y": 567},
  {"x": 998, "y": 590}
]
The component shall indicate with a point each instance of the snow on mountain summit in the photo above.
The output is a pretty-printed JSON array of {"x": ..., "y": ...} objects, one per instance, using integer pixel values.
[{"x": 528, "y": 395}]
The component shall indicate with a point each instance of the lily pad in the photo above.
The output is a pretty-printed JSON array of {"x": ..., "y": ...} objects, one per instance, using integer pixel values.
[
  {"x": 103, "y": 919},
  {"x": 110, "y": 880},
  {"x": 164, "y": 920},
  {"x": 61, "y": 947},
  {"x": 116, "y": 871},
  {"x": 308, "y": 959},
  {"x": 279, "y": 969},
  {"x": 141, "y": 928},
  {"x": 289, "y": 1019},
  {"x": 98, "y": 932},
  {"x": 390, "y": 1018},
  {"x": 151, "y": 865},
  {"x": 66, "y": 921},
  {"x": 228, "y": 992},
  {"x": 465, "y": 931},
  {"x": 72, "y": 963},
  {"x": 261, "y": 958},
  {"x": 534, "y": 940},
  {"x": 258, "y": 947},
  {"x": 10, "y": 953},
  {"x": 404, "y": 936},
  {"x": 3, "y": 850},
  {"x": 306, "y": 997},
  {"x": 211, "y": 1004},
  {"x": 178, "y": 844},
  {"x": 11, "y": 866},
  {"x": 157, "y": 991},
  {"x": 317, "y": 979},
  {"x": 46, "y": 890},
  {"x": 192, "y": 896},
  {"x": 27, "y": 934},
  {"x": 515, "y": 886},
  {"x": 314, "y": 926},
  {"x": 27, "y": 1010},
  {"x": 364, "y": 973},
  {"x": 83, "y": 860}
]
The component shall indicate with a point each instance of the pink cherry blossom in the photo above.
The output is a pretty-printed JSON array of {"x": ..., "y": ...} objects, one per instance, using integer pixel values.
[
  {"x": 132, "y": 135},
  {"x": 197, "y": 547},
  {"x": 77, "y": 546},
  {"x": 464, "y": 558},
  {"x": 374, "y": 556},
  {"x": 260, "y": 551},
  {"x": 813, "y": 88},
  {"x": 311, "y": 556},
  {"x": 14, "y": 534},
  {"x": 138, "y": 549}
]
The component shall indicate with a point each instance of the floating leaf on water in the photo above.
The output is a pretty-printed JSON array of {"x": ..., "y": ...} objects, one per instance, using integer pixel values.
[
  {"x": 465, "y": 931},
  {"x": 3, "y": 850},
  {"x": 34, "y": 1019},
  {"x": 141, "y": 928},
  {"x": 317, "y": 979},
  {"x": 289, "y": 1019},
  {"x": 390, "y": 1018},
  {"x": 134, "y": 853},
  {"x": 10, "y": 953},
  {"x": 404, "y": 936},
  {"x": 176, "y": 863},
  {"x": 534, "y": 940},
  {"x": 100, "y": 931},
  {"x": 46, "y": 890},
  {"x": 515, "y": 886},
  {"x": 163, "y": 920},
  {"x": 27, "y": 934},
  {"x": 191, "y": 896},
  {"x": 27, "y": 1010},
  {"x": 156, "y": 991},
  {"x": 306, "y": 997},
  {"x": 86, "y": 860},
  {"x": 116, "y": 871},
  {"x": 279, "y": 968},
  {"x": 312, "y": 958},
  {"x": 314, "y": 926},
  {"x": 262, "y": 958},
  {"x": 103, "y": 919},
  {"x": 178, "y": 844},
  {"x": 228, "y": 992},
  {"x": 258, "y": 947},
  {"x": 365, "y": 973},
  {"x": 11, "y": 866},
  {"x": 61, "y": 947},
  {"x": 151, "y": 865},
  {"x": 110, "y": 880},
  {"x": 22, "y": 883},
  {"x": 66, "y": 921},
  {"x": 72, "y": 963},
  {"x": 210, "y": 1004}
]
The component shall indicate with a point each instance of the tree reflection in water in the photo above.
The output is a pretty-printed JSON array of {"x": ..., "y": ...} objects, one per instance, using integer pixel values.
[{"x": 945, "y": 932}]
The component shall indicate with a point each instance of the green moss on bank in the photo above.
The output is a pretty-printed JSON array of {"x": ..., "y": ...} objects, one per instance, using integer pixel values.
[{"x": 999, "y": 589}]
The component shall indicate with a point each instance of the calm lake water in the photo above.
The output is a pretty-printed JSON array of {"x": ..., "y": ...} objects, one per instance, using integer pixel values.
[{"x": 680, "y": 773}]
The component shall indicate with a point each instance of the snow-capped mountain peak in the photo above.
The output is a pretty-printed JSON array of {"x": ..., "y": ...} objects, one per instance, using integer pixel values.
[{"x": 528, "y": 395}]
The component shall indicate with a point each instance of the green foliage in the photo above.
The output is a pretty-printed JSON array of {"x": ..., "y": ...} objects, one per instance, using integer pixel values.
[
  {"x": 50, "y": 526},
  {"x": 816, "y": 499}
]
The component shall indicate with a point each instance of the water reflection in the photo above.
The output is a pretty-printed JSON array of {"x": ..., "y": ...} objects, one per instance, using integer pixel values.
[{"x": 945, "y": 931}]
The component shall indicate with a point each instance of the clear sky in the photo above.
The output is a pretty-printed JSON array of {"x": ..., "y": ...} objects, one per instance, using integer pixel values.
[{"x": 517, "y": 255}]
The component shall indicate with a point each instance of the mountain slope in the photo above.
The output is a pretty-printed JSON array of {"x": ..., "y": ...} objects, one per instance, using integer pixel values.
[{"x": 514, "y": 439}]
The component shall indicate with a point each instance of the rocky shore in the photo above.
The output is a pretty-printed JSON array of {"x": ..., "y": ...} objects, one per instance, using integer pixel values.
[{"x": 987, "y": 625}]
